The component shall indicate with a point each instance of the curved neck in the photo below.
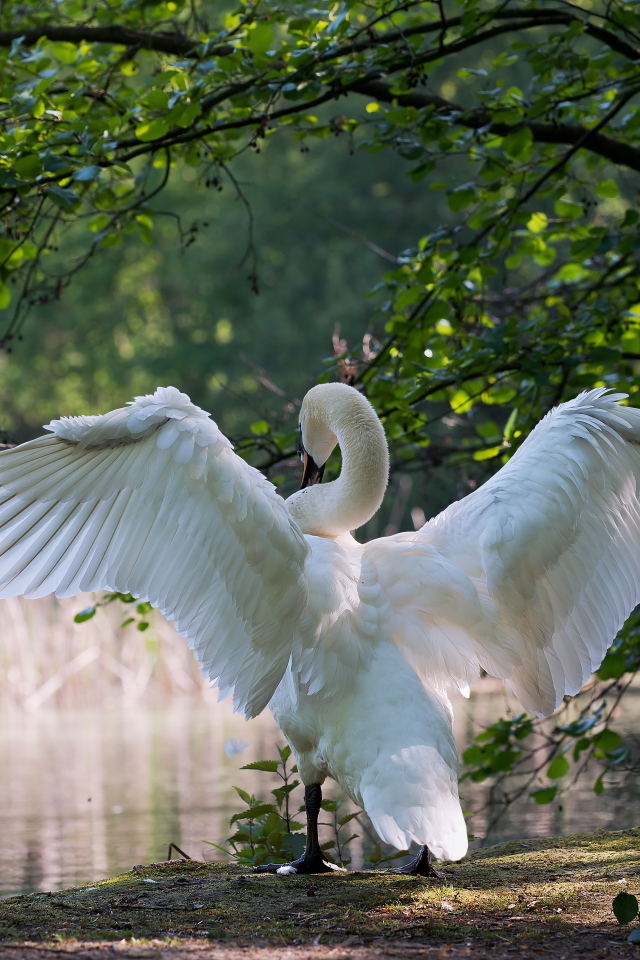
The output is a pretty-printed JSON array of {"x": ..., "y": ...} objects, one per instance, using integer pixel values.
[{"x": 335, "y": 412}]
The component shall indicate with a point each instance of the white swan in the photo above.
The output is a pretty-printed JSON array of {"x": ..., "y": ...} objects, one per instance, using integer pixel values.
[{"x": 353, "y": 646}]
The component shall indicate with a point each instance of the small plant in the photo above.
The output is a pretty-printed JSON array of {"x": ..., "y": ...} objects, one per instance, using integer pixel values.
[
  {"x": 266, "y": 832},
  {"x": 625, "y": 908}
]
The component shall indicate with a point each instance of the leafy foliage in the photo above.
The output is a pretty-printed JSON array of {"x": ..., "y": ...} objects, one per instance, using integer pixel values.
[
  {"x": 140, "y": 610},
  {"x": 265, "y": 832},
  {"x": 543, "y": 757}
]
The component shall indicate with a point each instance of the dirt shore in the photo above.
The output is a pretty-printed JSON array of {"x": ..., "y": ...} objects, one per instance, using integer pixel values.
[{"x": 540, "y": 898}]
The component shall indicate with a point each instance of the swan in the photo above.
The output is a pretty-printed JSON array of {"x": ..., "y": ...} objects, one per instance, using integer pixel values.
[{"x": 354, "y": 647}]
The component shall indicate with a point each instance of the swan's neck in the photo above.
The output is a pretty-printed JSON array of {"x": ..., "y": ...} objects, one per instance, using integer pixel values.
[{"x": 335, "y": 508}]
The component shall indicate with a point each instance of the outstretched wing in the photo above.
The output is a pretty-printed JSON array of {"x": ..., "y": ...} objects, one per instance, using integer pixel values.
[
  {"x": 151, "y": 500},
  {"x": 532, "y": 575}
]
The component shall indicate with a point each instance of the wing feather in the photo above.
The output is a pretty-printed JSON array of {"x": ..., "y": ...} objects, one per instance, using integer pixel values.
[
  {"x": 151, "y": 500},
  {"x": 545, "y": 558}
]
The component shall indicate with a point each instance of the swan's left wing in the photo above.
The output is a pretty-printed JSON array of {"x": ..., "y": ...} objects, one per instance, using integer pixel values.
[
  {"x": 151, "y": 500},
  {"x": 532, "y": 575}
]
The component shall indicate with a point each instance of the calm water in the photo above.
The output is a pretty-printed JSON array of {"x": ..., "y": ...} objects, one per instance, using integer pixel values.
[{"x": 87, "y": 793}]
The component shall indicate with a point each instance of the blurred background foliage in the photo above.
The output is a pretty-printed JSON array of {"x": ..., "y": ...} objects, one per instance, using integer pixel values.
[{"x": 141, "y": 314}]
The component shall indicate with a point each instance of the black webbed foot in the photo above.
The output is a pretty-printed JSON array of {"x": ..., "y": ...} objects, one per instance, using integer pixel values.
[
  {"x": 420, "y": 866},
  {"x": 311, "y": 860},
  {"x": 304, "y": 864}
]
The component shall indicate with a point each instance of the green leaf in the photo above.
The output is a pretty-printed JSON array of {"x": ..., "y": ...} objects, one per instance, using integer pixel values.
[
  {"x": 243, "y": 795},
  {"x": 571, "y": 273},
  {"x": 537, "y": 222},
  {"x": 487, "y": 454},
  {"x": 607, "y": 189},
  {"x": 85, "y": 615},
  {"x": 474, "y": 754},
  {"x": 260, "y": 428},
  {"x": 259, "y": 38},
  {"x": 152, "y": 130},
  {"x": 348, "y": 817},
  {"x": 28, "y": 166},
  {"x": 461, "y": 197},
  {"x": 510, "y": 425},
  {"x": 187, "y": 113},
  {"x": 104, "y": 198},
  {"x": 64, "y": 198},
  {"x": 518, "y": 145},
  {"x": 568, "y": 209},
  {"x": 295, "y": 844},
  {"x": 558, "y": 767},
  {"x": 252, "y": 813},
  {"x": 65, "y": 52},
  {"x": 607, "y": 740},
  {"x": 460, "y": 401},
  {"x": 613, "y": 666},
  {"x": 269, "y": 766},
  {"x": 625, "y": 907},
  {"x": 544, "y": 795},
  {"x": 156, "y": 99},
  {"x": 85, "y": 174}
]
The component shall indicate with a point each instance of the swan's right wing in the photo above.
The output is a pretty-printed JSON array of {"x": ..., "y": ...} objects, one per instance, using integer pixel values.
[{"x": 151, "y": 500}]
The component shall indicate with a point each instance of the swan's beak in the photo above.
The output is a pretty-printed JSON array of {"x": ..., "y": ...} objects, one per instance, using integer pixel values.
[{"x": 311, "y": 473}]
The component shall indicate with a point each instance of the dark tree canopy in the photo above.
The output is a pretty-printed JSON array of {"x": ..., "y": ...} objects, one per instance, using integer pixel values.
[{"x": 528, "y": 291}]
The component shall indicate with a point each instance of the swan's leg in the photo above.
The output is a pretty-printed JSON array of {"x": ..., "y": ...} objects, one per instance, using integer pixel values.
[
  {"x": 420, "y": 866},
  {"x": 312, "y": 860}
]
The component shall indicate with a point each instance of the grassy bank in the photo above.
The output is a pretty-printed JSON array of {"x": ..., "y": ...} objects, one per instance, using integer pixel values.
[{"x": 547, "y": 896}]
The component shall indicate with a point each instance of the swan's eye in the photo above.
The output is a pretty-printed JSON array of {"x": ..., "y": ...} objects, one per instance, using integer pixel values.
[{"x": 301, "y": 450}]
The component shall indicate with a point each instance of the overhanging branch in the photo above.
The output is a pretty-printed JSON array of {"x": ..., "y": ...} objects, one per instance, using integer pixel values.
[
  {"x": 115, "y": 35},
  {"x": 179, "y": 44},
  {"x": 617, "y": 151}
]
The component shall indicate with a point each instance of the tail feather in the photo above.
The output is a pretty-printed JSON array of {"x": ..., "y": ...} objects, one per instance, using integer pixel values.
[{"x": 413, "y": 796}]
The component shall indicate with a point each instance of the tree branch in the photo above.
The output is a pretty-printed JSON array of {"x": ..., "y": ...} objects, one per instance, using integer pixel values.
[
  {"x": 617, "y": 151},
  {"x": 179, "y": 44},
  {"x": 120, "y": 36}
]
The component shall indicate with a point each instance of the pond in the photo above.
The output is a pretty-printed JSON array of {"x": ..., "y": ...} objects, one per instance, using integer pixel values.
[{"x": 98, "y": 778}]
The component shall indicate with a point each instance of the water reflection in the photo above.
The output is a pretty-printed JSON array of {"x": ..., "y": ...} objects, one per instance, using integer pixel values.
[
  {"x": 87, "y": 793},
  {"x": 111, "y": 747}
]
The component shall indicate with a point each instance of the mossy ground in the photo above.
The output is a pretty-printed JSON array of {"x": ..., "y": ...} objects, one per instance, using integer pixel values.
[{"x": 547, "y": 897}]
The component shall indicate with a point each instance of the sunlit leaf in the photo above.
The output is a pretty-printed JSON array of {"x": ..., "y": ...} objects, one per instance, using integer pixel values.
[
  {"x": 544, "y": 795},
  {"x": 152, "y": 130}
]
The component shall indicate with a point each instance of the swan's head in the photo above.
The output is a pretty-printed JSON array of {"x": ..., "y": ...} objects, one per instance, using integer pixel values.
[
  {"x": 317, "y": 439},
  {"x": 334, "y": 413}
]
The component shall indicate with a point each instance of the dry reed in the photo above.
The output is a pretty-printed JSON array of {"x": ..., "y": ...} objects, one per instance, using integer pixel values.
[{"x": 47, "y": 658}]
